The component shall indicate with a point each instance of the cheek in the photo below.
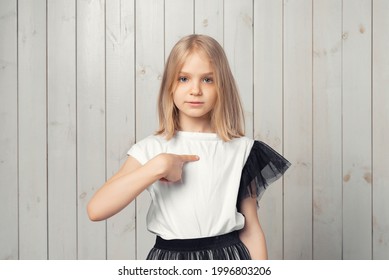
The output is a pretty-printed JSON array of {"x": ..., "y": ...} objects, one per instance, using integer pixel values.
[
  {"x": 214, "y": 96},
  {"x": 180, "y": 90},
  {"x": 176, "y": 98}
]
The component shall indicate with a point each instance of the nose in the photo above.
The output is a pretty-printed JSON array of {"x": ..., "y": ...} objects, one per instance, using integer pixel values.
[{"x": 196, "y": 90}]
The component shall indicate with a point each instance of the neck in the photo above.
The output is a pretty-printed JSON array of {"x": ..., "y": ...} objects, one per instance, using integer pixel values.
[{"x": 200, "y": 125}]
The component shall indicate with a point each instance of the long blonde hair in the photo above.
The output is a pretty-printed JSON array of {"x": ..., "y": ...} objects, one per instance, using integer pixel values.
[{"x": 227, "y": 117}]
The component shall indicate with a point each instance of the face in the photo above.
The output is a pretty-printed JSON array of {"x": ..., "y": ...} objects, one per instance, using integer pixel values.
[{"x": 195, "y": 93}]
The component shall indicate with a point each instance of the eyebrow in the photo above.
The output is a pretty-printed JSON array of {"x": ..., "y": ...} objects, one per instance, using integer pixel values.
[{"x": 205, "y": 74}]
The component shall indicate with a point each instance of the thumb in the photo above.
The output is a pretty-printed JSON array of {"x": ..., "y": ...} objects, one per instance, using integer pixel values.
[{"x": 187, "y": 158}]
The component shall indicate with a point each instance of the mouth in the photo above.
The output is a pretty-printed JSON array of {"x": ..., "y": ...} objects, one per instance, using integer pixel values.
[{"x": 195, "y": 102}]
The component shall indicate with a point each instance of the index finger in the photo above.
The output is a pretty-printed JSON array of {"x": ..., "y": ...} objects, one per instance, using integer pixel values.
[{"x": 187, "y": 158}]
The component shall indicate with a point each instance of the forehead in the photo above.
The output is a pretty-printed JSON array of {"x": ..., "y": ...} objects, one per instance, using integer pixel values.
[{"x": 196, "y": 61}]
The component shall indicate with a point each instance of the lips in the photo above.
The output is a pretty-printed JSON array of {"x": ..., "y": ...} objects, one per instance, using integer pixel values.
[{"x": 195, "y": 102}]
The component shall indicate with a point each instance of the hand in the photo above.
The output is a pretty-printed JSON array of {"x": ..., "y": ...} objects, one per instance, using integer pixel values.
[{"x": 172, "y": 165}]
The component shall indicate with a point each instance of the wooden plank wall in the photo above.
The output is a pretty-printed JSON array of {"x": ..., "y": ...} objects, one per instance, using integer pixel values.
[
  {"x": 62, "y": 130},
  {"x": 327, "y": 129},
  {"x": 78, "y": 86}
]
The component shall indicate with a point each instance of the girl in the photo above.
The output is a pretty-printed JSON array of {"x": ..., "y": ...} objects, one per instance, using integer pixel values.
[{"x": 203, "y": 175}]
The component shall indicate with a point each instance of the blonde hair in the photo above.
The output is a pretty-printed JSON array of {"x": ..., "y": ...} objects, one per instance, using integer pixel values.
[{"x": 227, "y": 116}]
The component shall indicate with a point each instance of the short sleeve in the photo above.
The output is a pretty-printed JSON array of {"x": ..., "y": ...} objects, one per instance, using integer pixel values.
[
  {"x": 137, "y": 153},
  {"x": 263, "y": 166}
]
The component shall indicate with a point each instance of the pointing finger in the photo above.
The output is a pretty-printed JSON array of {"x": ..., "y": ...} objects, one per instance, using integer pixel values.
[{"x": 187, "y": 158}]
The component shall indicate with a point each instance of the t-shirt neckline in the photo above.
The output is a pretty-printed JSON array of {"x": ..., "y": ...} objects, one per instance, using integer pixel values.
[{"x": 197, "y": 135}]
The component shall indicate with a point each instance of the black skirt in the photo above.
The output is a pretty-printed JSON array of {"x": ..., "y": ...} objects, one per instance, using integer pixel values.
[{"x": 223, "y": 247}]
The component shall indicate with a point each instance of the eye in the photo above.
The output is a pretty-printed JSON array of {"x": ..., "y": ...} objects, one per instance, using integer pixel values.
[
  {"x": 182, "y": 79},
  {"x": 208, "y": 80}
]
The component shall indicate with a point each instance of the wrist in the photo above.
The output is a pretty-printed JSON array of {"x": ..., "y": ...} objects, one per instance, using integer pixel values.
[{"x": 158, "y": 167}]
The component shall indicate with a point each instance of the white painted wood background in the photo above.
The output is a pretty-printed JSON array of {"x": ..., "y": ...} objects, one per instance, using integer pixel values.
[{"x": 78, "y": 84}]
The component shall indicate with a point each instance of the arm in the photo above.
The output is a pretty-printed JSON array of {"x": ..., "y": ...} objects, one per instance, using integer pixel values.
[
  {"x": 131, "y": 180},
  {"x": 252, "y": 235},
  {"x": 116, "y": 194}
]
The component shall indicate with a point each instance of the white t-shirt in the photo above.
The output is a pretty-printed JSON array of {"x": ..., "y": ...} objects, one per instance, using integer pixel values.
[{"x": 203, "y": 203}]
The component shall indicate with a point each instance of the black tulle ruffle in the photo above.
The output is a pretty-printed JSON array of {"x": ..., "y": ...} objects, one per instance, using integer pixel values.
[
  {"x": 222, "y": 247},
  {"x": 233, "y": 252},
  {"x": 263, "y": 166}
]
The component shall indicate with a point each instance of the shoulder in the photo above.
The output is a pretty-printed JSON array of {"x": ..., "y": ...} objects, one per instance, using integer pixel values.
[
  {"x": 147, "y": 148},
  {"x": 243, "y": 144},
  {"x": 242, "y": 141},
  {"x": 151, "y": 141}
]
